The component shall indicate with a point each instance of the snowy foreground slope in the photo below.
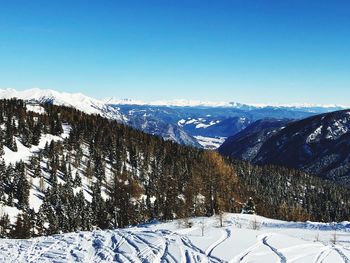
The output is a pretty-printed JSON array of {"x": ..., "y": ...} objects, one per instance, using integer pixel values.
[{"x": 237, "y": 241}]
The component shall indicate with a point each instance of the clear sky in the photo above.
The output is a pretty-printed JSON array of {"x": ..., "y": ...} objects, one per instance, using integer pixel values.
[{"x": 259, "y": 51}]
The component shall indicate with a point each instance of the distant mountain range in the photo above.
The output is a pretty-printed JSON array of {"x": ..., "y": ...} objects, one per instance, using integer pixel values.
[
  {"x": 215, "y": 104},
  {"x": 318, "y": 145},
  {"x": 195, "y": 123}
]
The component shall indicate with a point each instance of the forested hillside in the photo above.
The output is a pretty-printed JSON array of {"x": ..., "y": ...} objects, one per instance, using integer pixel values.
[
  {"x": 292, "y": 194},
  {"x": 62, "y": 170}
]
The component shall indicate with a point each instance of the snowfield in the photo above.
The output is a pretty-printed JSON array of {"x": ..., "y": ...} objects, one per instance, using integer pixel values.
[
  {"x": 209, "y": 142},
  {"x": 243, "y": 238}
]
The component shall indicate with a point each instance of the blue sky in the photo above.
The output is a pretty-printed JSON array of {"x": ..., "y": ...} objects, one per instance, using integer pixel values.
[{"x": 258, "y": 51}]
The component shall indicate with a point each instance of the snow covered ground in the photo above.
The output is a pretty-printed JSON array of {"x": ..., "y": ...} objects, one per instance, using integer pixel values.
[
  {"x": 243, "y": 238},
  {"x": 209, "y": 142}
]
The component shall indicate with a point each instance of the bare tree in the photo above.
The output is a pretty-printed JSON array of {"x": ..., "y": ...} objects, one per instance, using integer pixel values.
[
  {"x": 41, "y": 184},
  {"x": 221, "y": 218},
  {"x": 334, "y": 238},
  {"x": 317, "y": 237},
  {"x": 255, "y": 224},
  {"x": 202, "y": 226}
]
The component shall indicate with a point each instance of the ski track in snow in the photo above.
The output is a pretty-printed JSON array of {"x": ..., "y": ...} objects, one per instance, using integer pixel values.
[
  {"x": 323, "y": 255},
  {"x": 165, "y": 242},
  {"x": 241, "y": 257},
  {"x": 341, "y": 254},
  {"x": 224, "y": 237},
  {"x": 282, "y": 258}
]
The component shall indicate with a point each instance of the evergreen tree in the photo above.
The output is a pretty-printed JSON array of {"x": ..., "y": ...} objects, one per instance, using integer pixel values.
[
  {"x": 77, "y": 180},
  {"x": 249, "y": 207},
  {"x": 9, "y": 138},
  {"x": 36, "y": 134},
  {"x": 22, "y": 229},
  {"x": 2, "y": 175},
  {"x": 98, "y": 206},
  {"x": 21, "y": 186},
  {"x": 4, "y": 225}
]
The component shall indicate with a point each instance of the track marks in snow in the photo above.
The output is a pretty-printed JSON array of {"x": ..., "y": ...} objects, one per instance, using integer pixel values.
[
  {"x": 282, "y": 258},
  {"x": 245, "y": 253},
  {"x": 195, "y": 254},
  {"x": 323, "y": 255},
  {"x": 153, "y": 251},
  {"x": 157, "y": 243},
  {"x": 341, "y": 254},
  {"x": 226, "y": 235},
  {"x": 42, "y": 250}
]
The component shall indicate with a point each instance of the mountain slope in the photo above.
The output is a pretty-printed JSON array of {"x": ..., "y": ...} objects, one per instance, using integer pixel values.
[
  {"x": 319, "y": 145},
  {"x": 69, "y": 171},
  {"x": 247, "y": 143}
]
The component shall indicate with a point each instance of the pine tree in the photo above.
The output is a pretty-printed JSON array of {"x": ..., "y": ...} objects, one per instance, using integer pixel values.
[
  {"x": 21, "y": 186},
  {"x": 4, "y": 225},
  {"x": 9, "y": 178},
  {"x": 9, "y": 135},
  {"x": 22, "y": 229},
  {"x": 36, "y": 134},
  {"x": 77, "y": 180},
  {"x": 2, "y": 173},
  {"x": 249, "y": 207},
  {"x": 98, "y": 206},
  {"x": 36, "y": 166}
]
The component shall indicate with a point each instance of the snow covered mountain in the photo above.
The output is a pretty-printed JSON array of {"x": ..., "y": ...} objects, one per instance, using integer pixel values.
[
  {"x": 76, "y": 100},
  {"x": 195, "y": 123},
  {"x": 216, "y": 104},
  {"x": 319, "y": 145},
  {"x": 243, "y": 238},
  {"x": 90, "y": 105}
]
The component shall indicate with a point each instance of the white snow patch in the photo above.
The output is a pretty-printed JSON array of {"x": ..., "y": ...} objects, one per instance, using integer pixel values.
[
  {"x": 315, "y": 135},
  {"x": 35, "y": 108},
  {"x": 210, "y": 142},
  {"x": 24, "y": 153}
]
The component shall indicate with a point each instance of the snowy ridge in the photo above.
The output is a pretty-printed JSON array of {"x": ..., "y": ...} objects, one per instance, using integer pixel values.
[
  {"x": 172, "y": 103},
  {"x": 237, "y": 241},
  {"x": 77, "y": 100}
]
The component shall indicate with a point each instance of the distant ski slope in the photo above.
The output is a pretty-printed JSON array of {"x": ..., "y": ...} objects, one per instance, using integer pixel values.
[{"x": 275, "y": 241}]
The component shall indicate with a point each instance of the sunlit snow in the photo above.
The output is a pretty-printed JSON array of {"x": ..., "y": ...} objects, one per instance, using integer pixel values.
[{"x": 243, "y": 238}]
